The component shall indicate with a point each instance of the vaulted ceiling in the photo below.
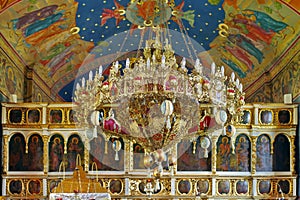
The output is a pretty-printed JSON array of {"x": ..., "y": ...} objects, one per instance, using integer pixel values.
[{"x": 56, "y": 37}]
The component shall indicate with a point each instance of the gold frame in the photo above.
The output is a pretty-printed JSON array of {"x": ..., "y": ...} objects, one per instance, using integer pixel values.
[
  {"x": 217, "y": 187},
  {"x": 49, "y": 116},
  {"x": 191, "y": 186},
  {"x": 290, "y": 186},
  {"x": 259, "y": 116},
  {"x": 22, "y": 115},
  {"x": 277, "y": 117},
  {"x": 27, "y": 113},
  {"x": 248, "y": 189},
  {"x": 41, "y": 187},
  {"x": 251, "y": 118},
  {"x": 122, "y": 186},
  {"x": 209, "y": 186},
  {"x": 22, "y": 190},
  {"x": 264, "y": 194}
]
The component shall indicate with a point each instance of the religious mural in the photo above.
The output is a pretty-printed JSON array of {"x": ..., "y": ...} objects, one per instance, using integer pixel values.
[
  {"x": 286, "y": 81},
  {"x": 12, "y": 79},
  {"x": 243, "y": 36}
]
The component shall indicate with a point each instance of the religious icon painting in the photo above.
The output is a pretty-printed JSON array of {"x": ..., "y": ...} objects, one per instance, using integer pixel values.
[
  {"x": 184, "y": 186},
  {"x": 34, "y": 187},
  {"x": 15, "y": 116},
  {"x": 266, "y": 117},
  {"x": 223, "y": 187},
  {"x": 138, "y": 156},
  {"x": 72, "y": 116},
  {"x": 263, "y": 153},
  {"x": 246, "y": 118},
  {"x": 283, "y": 186},
  {"x": 17, "y": 153},
  {"x": 284, "y": 117},
  {"x": 56, "y": 116},
  {"x": 264, "y": 187},
  {"x": 33, "y": 116},
  {"x": 35, "y": 153},
  {"x": 115, "y": 186},
  {"x": 56, "y": 152},
  {"x": 202, "y": 187},
  {"x": 242, "y": 187},
  {"x": 15, "y": 186}
]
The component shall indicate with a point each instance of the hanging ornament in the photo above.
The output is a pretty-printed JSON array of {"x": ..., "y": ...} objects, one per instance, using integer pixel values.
[
  {"x": 117, "y": 147},
  {"x": 167, "y": 109},
  {"x": 205, "y": 143}
]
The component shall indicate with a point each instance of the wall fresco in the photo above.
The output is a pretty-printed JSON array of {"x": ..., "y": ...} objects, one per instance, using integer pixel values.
[
  {"x": 287, "y": 81},
  {"x": 12, "y": 79}
]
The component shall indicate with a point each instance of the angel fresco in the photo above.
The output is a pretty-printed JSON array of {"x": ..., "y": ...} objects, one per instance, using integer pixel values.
[{"x": 266, "y": 22}]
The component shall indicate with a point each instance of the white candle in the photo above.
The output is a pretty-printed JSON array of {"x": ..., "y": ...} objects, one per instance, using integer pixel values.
[
  {"x": 90, "y": 76},
  {"x": 127, "y": 63},
  {"x": 232, "y": 76},
  {"x": 213, "y": 68},
  {"x": 83, "y": 82},
  {"x": 222, "y": 70},
  {"x": 100, "y": 70}
]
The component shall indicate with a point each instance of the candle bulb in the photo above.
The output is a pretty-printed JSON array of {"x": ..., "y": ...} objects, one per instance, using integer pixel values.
[
  {"x": 117, "y": 65},
  {"x": 77, "y": 86},
  {"x": 232, "y": 76},
  {"x": 90, "y": 76},
  {"x": 163, "y": 61},
  {"x": 148, "y": 63},
  {"x": 83, "y": 82},
  {"x": 213, "y": 68},
  {"x": 100, "y": 70},
  {"x": 222, "y": 70},
  {"x": 237, "y": 82},
  {"x": 183, "y": 62},
  {"x": 127, "y": 63},
  {"x": 241, "y": 87}
]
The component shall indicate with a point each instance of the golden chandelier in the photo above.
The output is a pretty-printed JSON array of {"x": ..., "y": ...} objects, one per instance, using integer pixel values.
[{"x": 155, "y": 101}]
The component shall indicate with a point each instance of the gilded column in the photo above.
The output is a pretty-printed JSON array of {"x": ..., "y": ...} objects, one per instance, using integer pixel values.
[
  {"x": 214, "y": 154},
  {"x": 128, "y": 155},
  {"x": 5, "y": 154},
  {"x": 292, "y": 155},
  {"x": 86, "y": 155},
  {"x": 253, "y": 156},
  {"x": 46, "y": 153}
]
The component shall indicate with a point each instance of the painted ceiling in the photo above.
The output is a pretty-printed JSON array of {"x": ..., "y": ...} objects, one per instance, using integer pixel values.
[{"x": 57, "y": 37}]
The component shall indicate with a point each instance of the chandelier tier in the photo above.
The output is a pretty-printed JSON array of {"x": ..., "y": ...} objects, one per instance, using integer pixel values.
[{"x": 154, "y": 100}]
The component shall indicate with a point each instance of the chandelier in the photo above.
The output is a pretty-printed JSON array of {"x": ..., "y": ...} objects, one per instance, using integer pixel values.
[{"x": 158, "y": 98}]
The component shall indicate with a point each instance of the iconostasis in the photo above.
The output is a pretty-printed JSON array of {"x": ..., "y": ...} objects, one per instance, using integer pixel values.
[
  {"x": 47, "y": 41},
  {"x": 43, "y": 146}
]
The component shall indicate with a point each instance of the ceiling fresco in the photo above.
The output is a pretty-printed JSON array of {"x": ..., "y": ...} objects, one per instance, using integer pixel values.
[{"x": 56, "y": 37}]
